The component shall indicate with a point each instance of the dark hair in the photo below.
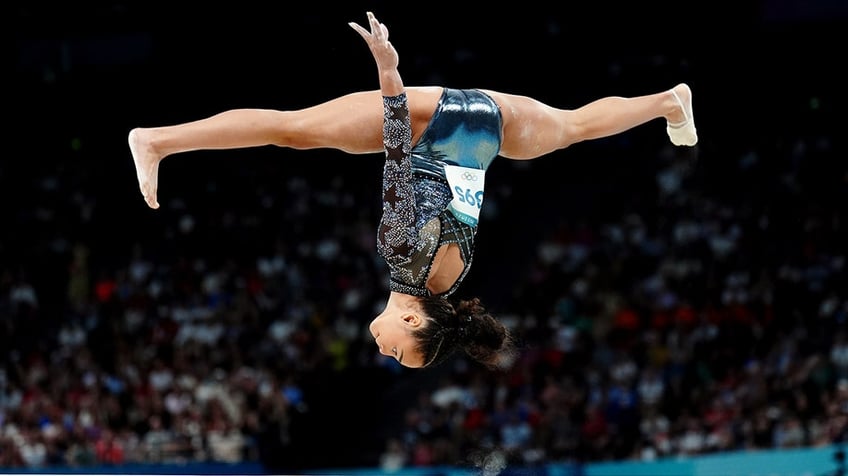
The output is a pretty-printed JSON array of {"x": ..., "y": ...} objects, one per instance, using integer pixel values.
[{"x": 467, "y": 326}]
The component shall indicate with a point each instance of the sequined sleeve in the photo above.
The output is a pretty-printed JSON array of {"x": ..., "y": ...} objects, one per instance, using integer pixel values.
[{"x": 397, "y": 236}]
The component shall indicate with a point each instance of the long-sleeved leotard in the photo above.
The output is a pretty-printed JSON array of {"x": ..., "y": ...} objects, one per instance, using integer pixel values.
[{"x": 466, "y": 131}]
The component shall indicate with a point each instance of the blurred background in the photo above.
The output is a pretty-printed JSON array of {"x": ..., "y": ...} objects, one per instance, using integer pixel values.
[{"x": 671, "y": 302}]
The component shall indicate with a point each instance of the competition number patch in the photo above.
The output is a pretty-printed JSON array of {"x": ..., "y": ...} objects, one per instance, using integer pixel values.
[{"x": 467, "y": 187}]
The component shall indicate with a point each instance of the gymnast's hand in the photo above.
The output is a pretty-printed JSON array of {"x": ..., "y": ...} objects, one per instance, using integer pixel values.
[{"x": 381, "y": 48}]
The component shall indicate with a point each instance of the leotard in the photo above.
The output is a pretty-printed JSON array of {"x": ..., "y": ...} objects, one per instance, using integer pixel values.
[{"x": 466, "y": 130}]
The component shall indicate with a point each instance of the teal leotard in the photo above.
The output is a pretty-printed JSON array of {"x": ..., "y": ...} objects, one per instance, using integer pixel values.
[{"x": 466, "y": 130}]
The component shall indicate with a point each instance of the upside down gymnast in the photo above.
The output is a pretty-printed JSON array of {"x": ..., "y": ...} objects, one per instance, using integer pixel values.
[{"x": 437, "y": 143}]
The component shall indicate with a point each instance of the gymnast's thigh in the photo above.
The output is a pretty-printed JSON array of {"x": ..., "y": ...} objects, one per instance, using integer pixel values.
[
  {"x": 352, "y": 123},
  {"x": 531, "y": 127}
]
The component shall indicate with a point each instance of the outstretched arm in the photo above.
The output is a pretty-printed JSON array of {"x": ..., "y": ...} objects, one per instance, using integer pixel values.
[
  {"x": 396, "y": 237},
  {"x": 384, "y": 54}
]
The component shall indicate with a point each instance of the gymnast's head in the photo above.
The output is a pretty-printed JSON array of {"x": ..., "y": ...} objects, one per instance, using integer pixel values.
[{"x": 424, "y": 331}]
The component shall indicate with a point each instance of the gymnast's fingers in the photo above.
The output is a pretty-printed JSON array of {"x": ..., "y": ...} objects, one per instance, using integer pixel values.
[{"x": 362, "y": 31}]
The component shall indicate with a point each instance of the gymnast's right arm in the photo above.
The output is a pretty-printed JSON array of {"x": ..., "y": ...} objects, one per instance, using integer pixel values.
[
  {"x": 397, "y": 236},
  {"x": 384, "y": 54}
]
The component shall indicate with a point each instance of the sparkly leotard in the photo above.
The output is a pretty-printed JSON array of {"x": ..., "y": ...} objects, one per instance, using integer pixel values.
[{"x": 465, "y": 130}]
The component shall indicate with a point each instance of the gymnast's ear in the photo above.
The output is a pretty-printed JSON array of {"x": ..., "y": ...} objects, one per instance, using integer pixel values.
[{"x": 412, "y": 319}]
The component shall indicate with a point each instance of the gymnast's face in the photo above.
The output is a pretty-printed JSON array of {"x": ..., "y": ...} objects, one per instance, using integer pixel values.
[{"x": 392, "y": 331}]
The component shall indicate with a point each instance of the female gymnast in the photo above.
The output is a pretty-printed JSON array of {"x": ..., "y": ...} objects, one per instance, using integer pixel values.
[{"x": 438, "y": 143}]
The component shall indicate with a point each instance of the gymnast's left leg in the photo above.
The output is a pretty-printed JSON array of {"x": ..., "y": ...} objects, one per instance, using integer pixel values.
[{"x": 533, "y": 129}]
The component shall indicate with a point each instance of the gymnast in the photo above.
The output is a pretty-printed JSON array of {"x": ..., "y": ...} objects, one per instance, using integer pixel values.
[{"x": 437, "y": 143}]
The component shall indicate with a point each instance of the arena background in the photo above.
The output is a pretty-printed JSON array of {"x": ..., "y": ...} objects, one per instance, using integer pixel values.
[{"x": 93, "y": 282}]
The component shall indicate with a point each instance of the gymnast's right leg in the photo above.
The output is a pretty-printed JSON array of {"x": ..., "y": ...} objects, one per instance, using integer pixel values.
[{"x": 352, "y": 123}]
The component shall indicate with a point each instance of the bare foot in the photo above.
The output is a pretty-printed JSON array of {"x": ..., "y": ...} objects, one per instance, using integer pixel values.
[
  {"x": 146, "y": 166},
  {"x": 681, "y": 123}
]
